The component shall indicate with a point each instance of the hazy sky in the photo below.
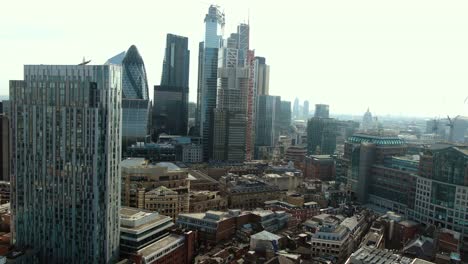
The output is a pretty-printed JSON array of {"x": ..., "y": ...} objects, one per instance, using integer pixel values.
[{"x": 406, "y": 57}]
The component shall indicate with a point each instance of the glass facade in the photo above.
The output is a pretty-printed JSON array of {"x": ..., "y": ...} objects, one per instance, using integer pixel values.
[
  {"x": 208, "y": 77},
  {"x": 170, "y": 111},
  {"x": 66, "y": 124},
  {"x": 267, "y": 120},
  {"x": 135, "y": 102}
]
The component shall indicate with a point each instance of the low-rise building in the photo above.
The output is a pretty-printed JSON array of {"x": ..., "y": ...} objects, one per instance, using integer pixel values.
[
  {"x": 145, "y": 238},
  {"x": 264, "y": 241},
  {"x": 371, "y": 255},
  {"x": 202, "y": 201},
  {"x": 248, "y": 192},
  {"x": 200, "y": 181},
  {"x": 321, "y": 167},
  {"x": 170, "y": 202},
  {"x": 140, "y": 177},
  {"x": 298, "y": 213},
  {"x": 287, "y": 181}
]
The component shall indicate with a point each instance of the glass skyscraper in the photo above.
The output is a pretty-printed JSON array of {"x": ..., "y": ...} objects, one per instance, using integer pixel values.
[
  {"x": 66, "y": 132},
  {"x": 268, "y": 120},
  {"x": 135, "y": 100},
  {"x": 170, "y": 111},
  {"x": 208, "y": 77}
]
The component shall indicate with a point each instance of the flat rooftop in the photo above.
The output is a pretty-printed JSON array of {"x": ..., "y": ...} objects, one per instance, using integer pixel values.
[
  {"x": 133, "y": 220},
  {"x": 160, "y": 245},
  {"x": 142, "y": 163}
]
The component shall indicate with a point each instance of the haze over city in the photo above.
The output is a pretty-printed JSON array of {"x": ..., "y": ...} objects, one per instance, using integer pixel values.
[{"x": 400, "y": 58}]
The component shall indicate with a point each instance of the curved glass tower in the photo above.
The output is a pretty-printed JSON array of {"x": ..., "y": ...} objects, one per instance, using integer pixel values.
[
  {"x": 135, "y": 103},
  {"x": 134, "y": 83}
]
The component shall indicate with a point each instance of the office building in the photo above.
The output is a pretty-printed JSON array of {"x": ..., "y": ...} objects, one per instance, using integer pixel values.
[
  {"x": 305, "y": 110},
  {"x": 285, "y": 116},
  {"x": 202, "y": 201},
  {"x": 135, "y": 100},
  {"x": 170, "y": 110},
  {"x": 267, "y": 129},
  {"x": 231, "y": 121},
  {"x": 141, "y": 180},
  {"x": 262, "y": 76},
  {"x": 145, "y": 237},
  {"x": 244, "y": 193},
  {"x": 170, "y": 202},
  {"x": 295, "y": 113},
  {"x": 321, "y": 111},
  {"x": 66, "y": 126},
  {"x": 320, "y": 167},
  {"x": 361, "y": 152},
  {"x": 208, "y": 77},
  {"x": 321, "y": 136},
  {"x": 441, "y": 194},
  {"x": 5, "y": 148}
]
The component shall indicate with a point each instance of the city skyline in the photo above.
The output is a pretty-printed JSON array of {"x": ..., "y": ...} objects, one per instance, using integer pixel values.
[{"x": 415, "y": 49}]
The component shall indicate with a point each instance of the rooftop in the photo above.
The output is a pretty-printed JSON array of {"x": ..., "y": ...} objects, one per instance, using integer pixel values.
[
  {"x": 368, "y": 255},
  {"x": 133, "y": 220},
  {"x": 142, "y": 163},
  {"x": 321, "y": 157},
  {"x": 265, "y": 235},
  {"x": 159, "y": 245},
  {"x": 378, "y": 140}
]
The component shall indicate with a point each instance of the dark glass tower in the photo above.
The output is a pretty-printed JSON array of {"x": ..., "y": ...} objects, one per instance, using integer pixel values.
[
  {"x": 170, "y": 111},
  {"x": 208, "y": 77}
]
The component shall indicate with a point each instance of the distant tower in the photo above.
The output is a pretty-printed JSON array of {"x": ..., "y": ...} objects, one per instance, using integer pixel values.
[
  {"x": 322, "y": 111},
  {"x": 367, "y": 121},
  {"x": 305, "y": 110},
  {"x": 295, "y": 113},
  {"x": 208, "y": 77}
]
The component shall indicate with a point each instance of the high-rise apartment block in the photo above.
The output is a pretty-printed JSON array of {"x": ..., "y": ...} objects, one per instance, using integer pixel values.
[
  {"x": 66, "y": 139},
  {"x": 170, "y": 111}
]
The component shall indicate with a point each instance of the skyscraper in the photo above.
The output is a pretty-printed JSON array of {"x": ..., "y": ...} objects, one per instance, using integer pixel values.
[
  {"x": 66, "y": 126},
  {"x": 135, "y": 100},
  {"x": 230, "y": 117},
  {"x": 305, "y": 110},
  {"x": 268, "y": 120},
  {"x": 321, "y": 111},
  {"x": 170, "y": 111},
  {"x": 321, "y": 136},
  {"x": 262, "y": 76},
  {"x": 295, "y": 113},
  {"x": 285, "y": 116},
  {"x": 208, "y": 76}
]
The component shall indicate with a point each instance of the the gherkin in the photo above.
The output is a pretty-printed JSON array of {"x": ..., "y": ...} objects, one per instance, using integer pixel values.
[
  {"x": 135, "y": 84},
  {"x": 135, "y": 103}
]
